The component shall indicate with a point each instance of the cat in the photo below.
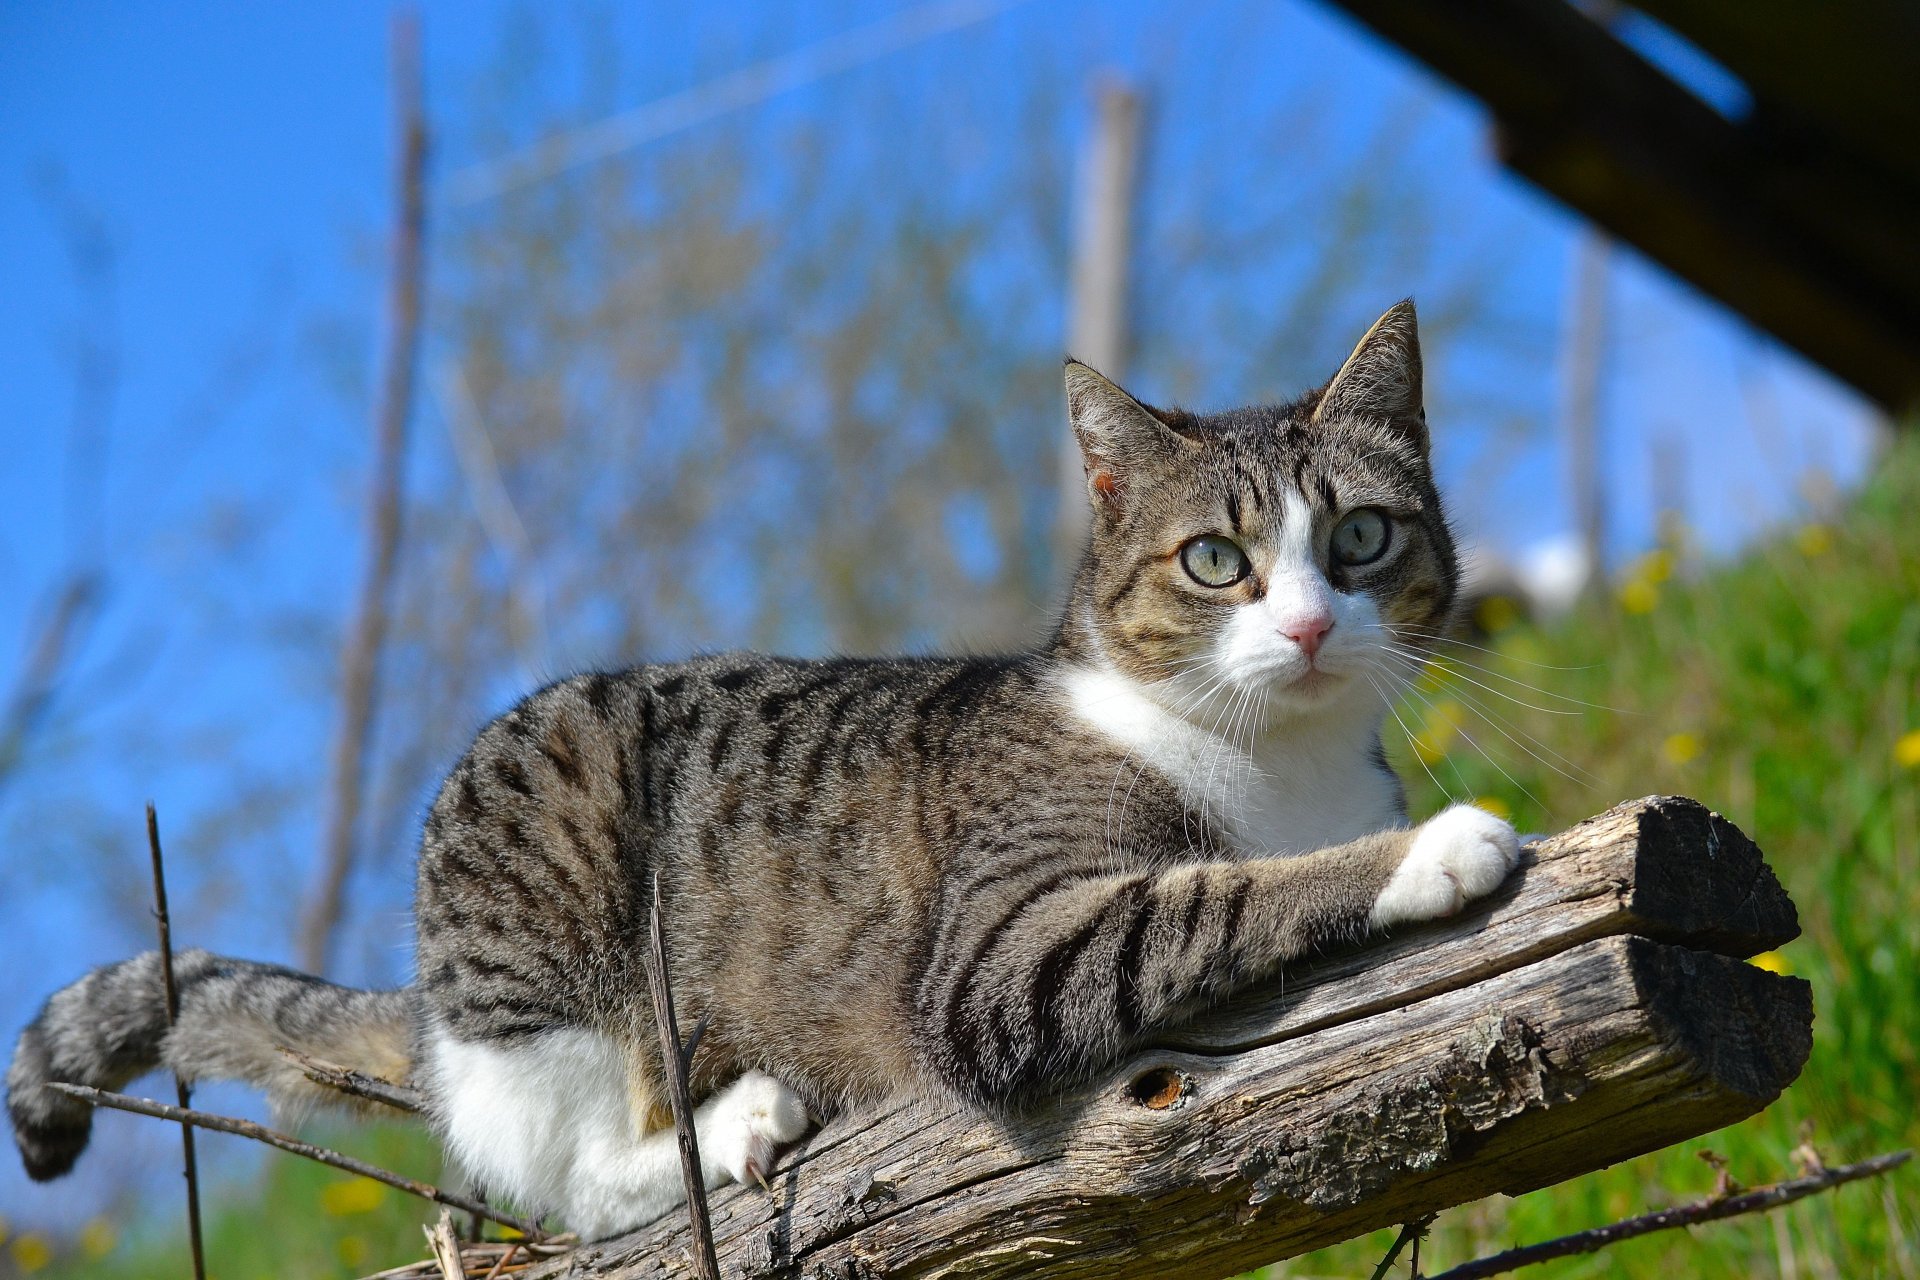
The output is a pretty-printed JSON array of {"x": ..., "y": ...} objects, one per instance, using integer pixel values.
[{"x": 977, "y": 878}]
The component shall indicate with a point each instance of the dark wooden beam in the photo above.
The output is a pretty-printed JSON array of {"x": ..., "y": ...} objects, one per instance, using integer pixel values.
[
  {"x": 1844, "y": 71},
  {"x": 1796, "y": 237}
]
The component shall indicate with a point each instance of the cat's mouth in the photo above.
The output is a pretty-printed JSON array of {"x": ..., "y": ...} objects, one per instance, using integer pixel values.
[{"x": 1313, "y": 682}]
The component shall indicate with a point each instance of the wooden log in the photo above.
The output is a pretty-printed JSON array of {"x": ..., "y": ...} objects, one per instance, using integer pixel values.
[{"x": 1594, "y": 1009}]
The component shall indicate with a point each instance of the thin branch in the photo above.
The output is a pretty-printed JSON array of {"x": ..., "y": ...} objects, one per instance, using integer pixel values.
[
  {"x": 181, "y": 1089},
  {"x": 1711, "y": 1209},
  {"x": 360, "y": 659},
  {"x": 356, "y": 1083},
  {"x": 730, "y": 92},
  {"x": 75, "y": 605},
  {"x": 1410, "y": 1233},
  {"x": 274, "y": 1138},
  {"x": 705, "y": 1264}
]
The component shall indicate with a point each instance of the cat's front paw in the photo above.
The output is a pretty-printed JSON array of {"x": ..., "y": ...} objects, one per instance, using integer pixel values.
[
  {"x": 1456, "y": 856},
  {"x": 752, "y": 1120}
]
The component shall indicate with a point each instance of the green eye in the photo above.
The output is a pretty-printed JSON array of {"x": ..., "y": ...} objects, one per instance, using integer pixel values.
[
  {"x": 1361, "y": 537},
  {"x": 1214, "y": 561}
]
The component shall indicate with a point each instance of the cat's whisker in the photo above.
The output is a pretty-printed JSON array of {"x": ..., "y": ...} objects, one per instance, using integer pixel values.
[
  {"x": 1484, "y": 754},
  {"x": 1412, "y": 745},
  {"x": 1414, "y": 631},
  {"x": 1434, "y": 711},
  {"x": 1493, "y": 716},
  {"x": 1425, "y": 660},
  {"x": 1450, "y": 664}
]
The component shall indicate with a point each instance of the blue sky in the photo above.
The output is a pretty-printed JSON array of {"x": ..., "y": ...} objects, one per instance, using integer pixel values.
[{"x": 238, "y": 157}]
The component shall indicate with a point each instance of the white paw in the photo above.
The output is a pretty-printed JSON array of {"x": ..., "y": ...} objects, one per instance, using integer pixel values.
[
  {"x": 752, "y": 1120},
  {"x": 1458, "y": 855}
]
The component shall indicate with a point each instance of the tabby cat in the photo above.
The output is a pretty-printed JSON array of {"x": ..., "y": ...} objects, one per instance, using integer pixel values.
[{"x": 971, "y": 877}]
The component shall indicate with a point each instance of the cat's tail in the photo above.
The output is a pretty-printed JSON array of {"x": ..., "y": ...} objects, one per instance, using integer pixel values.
[{"x": 235, "y": 1016}]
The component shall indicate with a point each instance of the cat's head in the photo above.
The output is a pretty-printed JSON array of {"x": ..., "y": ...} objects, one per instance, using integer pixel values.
[{"x": 1280, "y": 559}]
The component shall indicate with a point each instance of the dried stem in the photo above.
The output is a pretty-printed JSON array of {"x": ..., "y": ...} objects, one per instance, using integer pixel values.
[
  {"x": 1409, "y": 1233},
  {"x": 705, "y": 1263},
  {"x": 1711, "y": 1209},
  {"x": 355, "y": 1083},
  {"x": 273, "y": 1138},
  {"x": 360, "y": 660},
  {"x": 181, "y": 1089}
]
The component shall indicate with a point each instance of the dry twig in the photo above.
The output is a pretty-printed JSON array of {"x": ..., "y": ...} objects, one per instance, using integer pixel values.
[
  {"x": 274, "y": 1138},
  {"x": 1711, "y": 1209},
  {"x": 360, "y": 660},
  {"x": 705, "y": 1263},
  {"x": 498, "y": 1257},
  {"x": 445, "y": 1246},
  {"x": 181, "y": 1089},
  {"x": 1409, "y": 1233},
  {"x": 357, "y": 1084}
]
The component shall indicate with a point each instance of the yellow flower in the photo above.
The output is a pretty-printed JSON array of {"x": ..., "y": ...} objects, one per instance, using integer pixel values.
[
  {"x": 1654, "y": 567},
  {"x": 1906, "y": 749},
  {"x": 354, "y": 1195},
  {"x": 1814, "y": 539},
  {"x": 352, "y": 1251},
  {"x": 1679, "y": 748},
  {"x": 1495, "y": 614},
  {"x": 97, "y": 1239},
  {"x": 1495, "y": 805},
  {"x": 1637, "y": 595},
  {"x": 1771, "y": 961},
  {"x": 31, "y": 1252}
]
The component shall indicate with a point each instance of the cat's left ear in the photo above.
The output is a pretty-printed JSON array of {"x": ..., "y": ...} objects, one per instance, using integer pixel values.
[{"x": 1381, "y": 379}]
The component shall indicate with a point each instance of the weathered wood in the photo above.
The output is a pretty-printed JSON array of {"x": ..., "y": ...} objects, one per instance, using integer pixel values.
[{"x": 1593, "y": 1010}]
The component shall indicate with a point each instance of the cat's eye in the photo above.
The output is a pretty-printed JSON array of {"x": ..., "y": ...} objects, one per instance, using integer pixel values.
[
  {"x": 1214, "y": 561},
  {"x": 1361, "y": 537}
]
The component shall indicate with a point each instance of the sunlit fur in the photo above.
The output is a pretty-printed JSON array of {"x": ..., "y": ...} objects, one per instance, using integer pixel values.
[{"x": 982, "y": 878}]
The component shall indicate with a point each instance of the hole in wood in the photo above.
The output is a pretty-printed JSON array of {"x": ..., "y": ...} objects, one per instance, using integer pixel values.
[{"x": 1158, "y": 1089}]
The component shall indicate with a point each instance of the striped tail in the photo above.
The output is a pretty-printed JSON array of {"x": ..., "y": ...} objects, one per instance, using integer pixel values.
[{"x": 235, "y": 1016}]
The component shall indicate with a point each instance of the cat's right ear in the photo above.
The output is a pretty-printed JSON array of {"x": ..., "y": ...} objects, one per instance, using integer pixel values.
[{"x": 1119, "y": 437}]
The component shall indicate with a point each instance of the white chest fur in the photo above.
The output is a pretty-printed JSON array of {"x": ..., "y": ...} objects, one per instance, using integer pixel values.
[{"x": 1310, "y": 784}]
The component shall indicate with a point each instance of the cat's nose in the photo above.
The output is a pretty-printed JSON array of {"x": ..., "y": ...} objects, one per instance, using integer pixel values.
[{"x": 1308, "y": 631}]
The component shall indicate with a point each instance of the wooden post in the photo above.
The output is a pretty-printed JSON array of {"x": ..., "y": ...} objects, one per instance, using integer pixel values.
[
  {"x": 1097, "y": 322},
  {"x": 1596, "y": 1008},
  {"x": 1586, "y": 358}
]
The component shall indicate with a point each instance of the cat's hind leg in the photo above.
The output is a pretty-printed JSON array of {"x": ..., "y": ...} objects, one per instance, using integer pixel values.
[{"x": 549, "y": 1124}]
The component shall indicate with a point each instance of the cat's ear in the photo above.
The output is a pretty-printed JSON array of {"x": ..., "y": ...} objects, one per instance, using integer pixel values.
[
  {"x": 1381, "y": 379},
  {"x": 1118, "y": 435}
]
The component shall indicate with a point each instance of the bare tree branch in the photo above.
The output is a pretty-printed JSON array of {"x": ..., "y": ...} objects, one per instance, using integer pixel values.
[
  {"x": 356, "y": 1084},
  {"x": 1712, "y": 1209},
  {"x": 675, "y": 1057},
  {"x": 274, "y": 1138},
  {"x": 360, "y": 660},
  {"x": 181, "y": 1088}
]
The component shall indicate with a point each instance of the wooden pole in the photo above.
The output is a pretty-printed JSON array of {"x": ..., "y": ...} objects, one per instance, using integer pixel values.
[
  {"x": 1585, "y": 362},
  {"x": 360, "y": 658},
  {"x": 1098, "y": 315}
]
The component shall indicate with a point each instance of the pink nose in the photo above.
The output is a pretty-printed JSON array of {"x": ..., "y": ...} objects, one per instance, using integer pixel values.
[{"x": 1308, "y": 632}]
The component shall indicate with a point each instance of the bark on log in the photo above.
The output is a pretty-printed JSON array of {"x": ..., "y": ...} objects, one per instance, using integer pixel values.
[{"x": 1595, "y": 1009}]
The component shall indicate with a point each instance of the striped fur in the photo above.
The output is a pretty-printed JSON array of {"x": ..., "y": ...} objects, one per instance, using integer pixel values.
[{"x": 978, "y": 877}]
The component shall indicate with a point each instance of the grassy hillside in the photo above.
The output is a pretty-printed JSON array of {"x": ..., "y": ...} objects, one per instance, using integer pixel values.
[{"x": 1784, "y": 690}]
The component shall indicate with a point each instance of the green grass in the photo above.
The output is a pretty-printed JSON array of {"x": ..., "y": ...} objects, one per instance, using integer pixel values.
[
  {"x": 1781, "y": 690},
  {"x": 1784, "y": 691}
]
